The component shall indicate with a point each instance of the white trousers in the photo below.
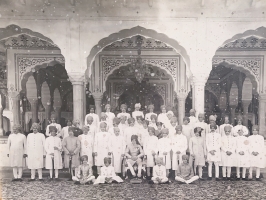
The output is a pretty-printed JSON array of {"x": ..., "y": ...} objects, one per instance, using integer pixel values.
[
  {"x": 194, "y": 178},
  {"x": 244, "y": 169},
  {"x": 164, "y": 179},
  {"x": 33, "y": 173},
  {"x": 228, "y": 169},
  {"x": 17, "y": 172},
  {"x": 257, "y": 172},
  {"x": 92, "y": 178},
  {"x": 55, "y": 171},
  {"x": 216, "y": 169}
]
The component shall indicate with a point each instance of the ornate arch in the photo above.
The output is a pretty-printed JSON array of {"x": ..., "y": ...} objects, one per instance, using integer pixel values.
[{"x": 138, "y": 30}]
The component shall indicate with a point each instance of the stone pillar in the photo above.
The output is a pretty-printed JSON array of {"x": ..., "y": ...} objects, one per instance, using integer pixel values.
[
  {"x": 233, "y": 113},
  {"x": 98, "y": 101},
  {"x": 34, "y": 109},
  {"x": 199, "y": 95},
  {"x": 1, "y": 118},
  {"x": 14, "y": 97},
  {"x": 181, "y": 107},
  {"x": 245, "y": 104},
  {"x": 77, "y": 79},
  {"x": 262, "y": 114}
]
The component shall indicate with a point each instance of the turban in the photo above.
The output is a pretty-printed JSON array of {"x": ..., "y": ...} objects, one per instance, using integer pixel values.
[
  {"x": 151, "y": 128},
  {"x": 186, "y": 119},
  {"x": 107, "y": 105},
  {"x": 170, "y": 112},
  {"x": 89, "y": 117},
  {"x": 178, "y": 127},
  {"x": 116, "y": 129},
  {"x": 165, "y": 131},
  {"x": 103, "y": 115},
  {"x": 212, "y": 118},
  {"x": 159, "y": 159},
  {"x": 151, "y": 106},
  {"x": 201, "y": 115},
  {"x": 123, "y": 106},
  {"x": 77, "y": 131},
  {"x": 52, "y": 128},
  {"x": 76, "y": 121},
  {"x": 138, "y": 105},
  {"x": 192, "y": 110},
  {"x": 255, "y": 127},
  {"x": 68, "y": 120},
  {"x": 139, "y": 117},
  {"x": 227, "y": 128},
  {"x": 86, "y": 128},
  {"x": 153, "y": 116},
  {"x": 116, "y": 120},
  {"x": 130, "y": 120},
  {"x": 107, "y": 160},
  {"x": 185, "y": 157},
  {"x": 163, "y": 106},
  {"x": 84, "y": 157},
  {"x": 103, "y": 125},
  {"x": 173, "y": 120},
  {"x": 18, "y": 127},
  {"x": 71, "y": 128},
  {"x": 35, "y": 125}
]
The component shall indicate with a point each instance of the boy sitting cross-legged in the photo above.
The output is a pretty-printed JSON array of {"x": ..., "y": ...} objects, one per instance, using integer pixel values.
[{"x": 159, "y": 172}]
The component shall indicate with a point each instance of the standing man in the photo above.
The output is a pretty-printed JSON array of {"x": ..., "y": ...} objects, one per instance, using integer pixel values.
[
  {"x": 17, "y": 151},
  {"x": 36, "y": 151}
]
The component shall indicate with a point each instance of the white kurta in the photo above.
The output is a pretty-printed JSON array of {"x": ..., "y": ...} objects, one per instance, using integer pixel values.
[
  {"x": 119, "y": 115},
  {"x": 101, "y": 146},
  {"x": 172, "y": 131},
  {"x": 240, "y": 127},
  {"x": 153, "y": 125},
  {"x": 148, "y": 116},
  {"x": 188, "y": 131},
  {"x": 122, "y": 128},
  {"x": 107, "y": 172},
  {"x": 208, "y": 130},
  {"x": 159, "y": 172},
  {"x": 117, "y": 147},
  {"x": 92, "y": 130},
  {"x": 213, "y": 142},
  {"x": 16, "y": 148},
  {"x": 256, "y": 145},
  {"x": 58, "y": 126},
  {"x": 129, "y": 131},
  {"x": 164, "y": 145},
  {"x": 86, "y": 144},
  {"x": 64, "y": 132},
  {"x": 192, "y": 121},
  {"x": 110, "y": 118},
  {"x": 107, "y": 127},
  {"x": 222, "y": 129},
  {"x": 142, "y": 135},
  {"x": 179, "y": 143},
  {"x": 242, "y": 144},
  {"x": 35, "y": 150},
  {"x": 228, "y": 144},
  {"x": 150, "y": 144},
  {"x": 137, "y": 113},
  {"x": 95, "y": 119},
  {"x": 50, "y": 143},
  {"x": 163, "y": 118}
]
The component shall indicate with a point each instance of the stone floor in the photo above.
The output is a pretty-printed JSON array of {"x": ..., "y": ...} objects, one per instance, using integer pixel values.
[{"x": 65, "y": 190}]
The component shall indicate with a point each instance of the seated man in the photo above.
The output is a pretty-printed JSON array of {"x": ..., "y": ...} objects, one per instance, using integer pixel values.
[
  {"x": 159, "y": 172},
  {"x": 84, "y": 172},
  {"x": 134, "y": 153},
  {"x": 185, "y": 172}
]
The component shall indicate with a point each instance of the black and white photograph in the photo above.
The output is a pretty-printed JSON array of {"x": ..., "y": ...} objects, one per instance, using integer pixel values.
[{"x": 132, "y": 99}]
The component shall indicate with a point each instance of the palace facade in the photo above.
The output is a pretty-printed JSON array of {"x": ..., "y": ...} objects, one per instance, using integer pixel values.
[{"x": 62, "y": 56}]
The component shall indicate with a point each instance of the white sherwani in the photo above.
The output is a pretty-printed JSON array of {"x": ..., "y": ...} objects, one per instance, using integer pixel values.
[
  {"x": 192, "y": 121},
  {"x": 213, "y": 142},
  {"x": 151, "y": 144},
  {"x": 17, "y": 147},
  {"x": 142, "y": 135},
  {"x": 110, "y": 118},
  {"x": 148, "y": 116},
  {"x": 122, "y": 128},
  {"x": 117, "y": 147},
  {"x": 228, "y": 144},
  {"x": 164, "y": 145},
  {"x": 242, "y": 144},
  {"x": 257, "y": 145},
  {"x": 240, "y": 127},
  {"x": 86, "y": 144},
  {"x": 58, "y": 126},
  {"x": 64, "y": 132},
  {"x": 159, "y": 172},
  {"x": 163, "y": 118},
  {"x": 95, "y": 119},
  {"x": 107, "y": 172},
  {"x": 208, "y": 130},
  {"x": 50, "y": 143},
  {"x": 188, "y": 131},
  {"x": 179, "y": 143},
  {"x": 137, "y": 113},
  {"x": 92, "y": 130},
  {"x": 172, "y": 131},
  {"x": 101, "y": 146},
  {"x": 36, "y": 150},
  {"x": 119, "y": 115},
  {"x": 222, "y": 129}
]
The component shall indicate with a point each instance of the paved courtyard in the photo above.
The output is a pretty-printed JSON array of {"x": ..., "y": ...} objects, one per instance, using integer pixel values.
[{"x": 65, "y": 190}]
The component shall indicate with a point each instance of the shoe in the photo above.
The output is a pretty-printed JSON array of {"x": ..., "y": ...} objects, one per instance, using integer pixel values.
[
  {"x": 217, "y": 179},
  {"x": 70, "y": 179},
  {"x": 50, "y": 179},
  {"x": 150, "y": 182},
  {"x": 31, "y": 180},
  {"x": 40, "y": 179},
  {"x": 244, "y": 179},
  {"x": 258, "y": 179},
  {"x": 224, "y": 179},
  {"x": 77, "y": 183},
  {"x": 57, "y": 179},
  {"x": 209, "y": 178},
  {"x": 201, "y": 179},
  {"x": 237, "y": 179}
]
